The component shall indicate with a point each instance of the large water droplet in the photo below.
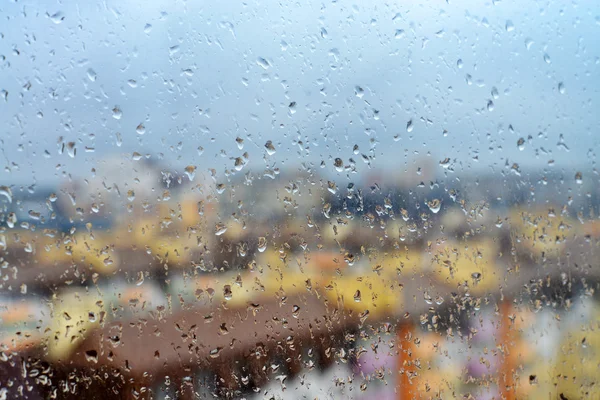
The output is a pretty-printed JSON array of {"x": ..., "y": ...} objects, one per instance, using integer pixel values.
[
  {"x": 6, "y": 192},
  {"x": 434, "y": 205},
  {"x": 140, "y": 129},
  {"x": 117, "y": 113},
  {"x": 262, "y": 244},
  {"x": 220, "y": 229},
  {"x": 270, "y": 148},
  {"x": 263, "y": 63},
  {"x": 91, "y": 74},
  {"x": 190, "y": 171},
  {"x": 57, "y": 17},
  {"x": 547, "y": 58}
]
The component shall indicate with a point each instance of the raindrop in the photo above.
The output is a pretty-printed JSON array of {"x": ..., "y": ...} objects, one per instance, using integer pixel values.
[
  {"x": 495, "y": 93},
  {"x": 220, "y": 229},
  {"x": 130, "y": 195},
  {"x": 434, "y": 205},
  {"x": 117, "y": 113},
  {"x": 459, "y": 63},
  {"x": 509, "y": 26},
  {"x": 57, "y": 17},
  {"x": 140, "y": 279},
  {"x": 357, "y": 296},
  {"x": 119, "y": 139},
  {"x": 295, "y": 311},
  {"x": 359, "y": 92},
  {"x": 239, "y": 163},
  {"x": 262, "y": 244},
  {"x": 147, "y": 28},
  {"x": 190, "y": 171},
  {"x": 579, "y": 178},
  {"x": 399, "y": 34},
  {"x": 270, "y": 148},
  {"x": 240, "y": 142},
  {"x": 140, "y": 129},
  {"x": 71, "y": 149},
  {"x": 521, "y": 144},
  {"x": 6, "y": 192},
  {"x": 324, "y": 33},
  {"x": 91, "y": 355},
  {"x": 91, "y": 74},
  {"x": 561, "y": 88},
  {"x": 263, "y": 63},
  {"x": 499, "y": 222},
  {"x": 490, "y": 105},
  {"x": 409, "y": 126},
  {"x": 528, "y": 43},
  {"x": 547, "y": 58},
  {"x": 227, "y": 293},
  {"x": 339, "y": 164}
]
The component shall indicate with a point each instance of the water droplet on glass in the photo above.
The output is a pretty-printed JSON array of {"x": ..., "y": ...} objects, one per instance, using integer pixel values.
[
  {"x": 292, "y": 107},
  {"x": 263, "y": 63},
  {"x": 295, "y": 311},
  {"x": 528, "y": 43},
  {"x": 147, "y": 28},
  {"x": 6, "y": 192},
  {"x": 521, "y": 144},
  {"x": 117, "y": 113},
  {"x": 357, "y": 296},
  {"x": 119, "y": 139},
  {"x": 359, "y": 92},
  {"x": 509, "y": 26},
  {"x": 227, "y": 293},
  {"x": 91, "y": 355},
  {"x": 214, "y": 353},
  {"x": 130, "y": 195},
  {"x": 495, "y": 93},
  {"x": 190, "y": 171},
  {"x": 71, "y": 149},
  {"x": 91, "y": 74},
  {"x": 338, "y": 164},
  {"x": 140, "y": 278},
  {"x": 270, "y": 148},
  {"x": 547, "y": 58},
  {"x": 561, "y": 88},
  {"x": 140, "y": 129},
  {"x": 459, "y": 63},
  {"x": 57, "y": 17},
  {"x": 434, "y": 205},
  {"x": 220, "y": 229},
  {"x": 324, "y": 33},
  {"x": 490, "y": 105},
  {"x": 579, "y": 178},
  {"x": 240, "y": 143},
  {"x": 409, "y": 126},
  {"x": 399, "y": 34},
  {"x": 262, "y": 244}
]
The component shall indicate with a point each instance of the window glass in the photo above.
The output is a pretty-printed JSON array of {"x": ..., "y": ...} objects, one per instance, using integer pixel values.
[{"x": 288, "y": 200}]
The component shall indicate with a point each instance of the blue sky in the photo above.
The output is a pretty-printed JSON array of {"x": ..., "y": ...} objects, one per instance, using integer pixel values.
[{"x": 200, "y": 74}]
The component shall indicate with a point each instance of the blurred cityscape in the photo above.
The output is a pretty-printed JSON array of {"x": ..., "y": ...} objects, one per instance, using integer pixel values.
[{"x": 144, "y": 282}]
